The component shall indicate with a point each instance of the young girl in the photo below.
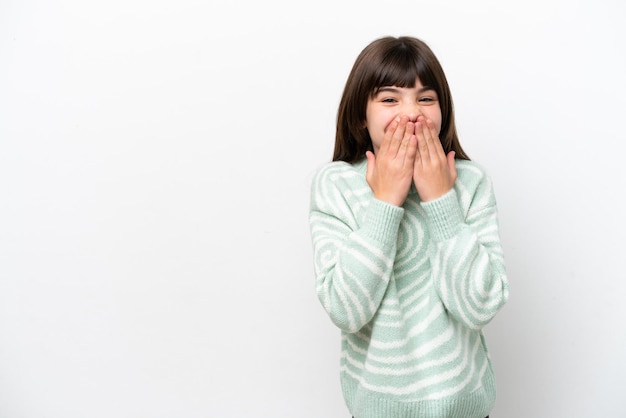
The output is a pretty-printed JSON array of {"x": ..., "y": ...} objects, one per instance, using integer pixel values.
[{"x": 407, "y": 253}]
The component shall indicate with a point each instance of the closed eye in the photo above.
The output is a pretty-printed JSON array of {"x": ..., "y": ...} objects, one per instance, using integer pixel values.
[{"x": 427, "y": 99}]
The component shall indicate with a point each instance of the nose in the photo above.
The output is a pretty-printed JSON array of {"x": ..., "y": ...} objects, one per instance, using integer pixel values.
[{"x": 412, "y": 110}]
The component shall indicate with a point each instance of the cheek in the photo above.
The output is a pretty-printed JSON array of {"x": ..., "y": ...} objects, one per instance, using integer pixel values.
[
  {"x": 385, "y": 120},
  {"x": 378, "y": 123},
  {"x": 437, "y": 117}
]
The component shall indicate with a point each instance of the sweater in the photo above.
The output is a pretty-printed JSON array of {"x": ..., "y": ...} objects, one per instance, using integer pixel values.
[{"x": 410, "y": 288}]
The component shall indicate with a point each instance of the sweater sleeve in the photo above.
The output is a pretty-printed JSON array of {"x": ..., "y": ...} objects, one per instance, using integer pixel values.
[
  {"x": 353, "y": 258},
  {"x": 467, "y": 260}
]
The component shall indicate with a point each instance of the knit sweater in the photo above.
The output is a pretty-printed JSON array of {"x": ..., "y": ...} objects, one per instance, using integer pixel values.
[{"x": 410, "y": 288}]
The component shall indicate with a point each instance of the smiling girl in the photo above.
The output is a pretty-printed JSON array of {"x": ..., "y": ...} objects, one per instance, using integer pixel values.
[{"x": 407, "y": 254}]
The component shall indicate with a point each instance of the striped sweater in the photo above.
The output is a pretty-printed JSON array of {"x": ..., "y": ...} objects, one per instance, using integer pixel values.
[{"x": 410, "y": 288}]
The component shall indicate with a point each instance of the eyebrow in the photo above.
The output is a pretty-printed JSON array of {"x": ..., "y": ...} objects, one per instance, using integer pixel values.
[{"x": 389, "y": 89}]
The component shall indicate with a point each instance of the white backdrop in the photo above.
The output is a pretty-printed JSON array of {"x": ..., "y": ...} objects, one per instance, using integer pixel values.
[{"x": 155, "y": 160}]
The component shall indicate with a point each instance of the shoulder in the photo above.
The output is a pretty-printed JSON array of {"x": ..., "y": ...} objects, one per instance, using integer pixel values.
[
  {"x": 338, "y": 184},
  {"x": 339, "y": 174},
  {"x": 471, "y": 170},
  {"x": 473, "y": 184},
  {"x": 471, "y": 173},
  {"x": 340, "y": 169}
]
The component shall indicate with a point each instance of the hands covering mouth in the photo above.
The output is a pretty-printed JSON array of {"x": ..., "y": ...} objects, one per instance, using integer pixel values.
[{"x": 410, "y": 152}]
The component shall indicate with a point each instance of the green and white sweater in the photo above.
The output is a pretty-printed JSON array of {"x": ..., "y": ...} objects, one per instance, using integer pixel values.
[{"x": 410, "y": 288}]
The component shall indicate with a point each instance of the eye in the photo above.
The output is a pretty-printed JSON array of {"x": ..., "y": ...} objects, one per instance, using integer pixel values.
[
  {"x": 427, "y": 99},
  {"x": 388, "y": 100}
]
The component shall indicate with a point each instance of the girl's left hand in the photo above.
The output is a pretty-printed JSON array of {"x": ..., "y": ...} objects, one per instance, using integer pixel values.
[{"x": 434, "y": 173}]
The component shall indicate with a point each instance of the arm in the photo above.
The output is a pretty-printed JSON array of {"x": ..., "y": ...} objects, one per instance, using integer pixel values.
[
  {"x": 466, "y": 257},
  {"x": 353, "y": 257},
  {"x": 354, "y": 254}
]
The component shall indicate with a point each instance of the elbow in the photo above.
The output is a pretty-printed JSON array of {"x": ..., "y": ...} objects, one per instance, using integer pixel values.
[
  {"x": 344, "y": 323},
  {"x": 479, "y": 324},
  {"x": 348, "y": 312},
  {"x": 347, "y": 317},
  {"x": 477, "y": 319},
  {"x": 485, "y": 303}
]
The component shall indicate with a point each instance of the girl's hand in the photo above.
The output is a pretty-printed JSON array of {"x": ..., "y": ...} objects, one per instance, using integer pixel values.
[
  {"x": 434, "y": 173},
  {"x": 390, "y": 171}
]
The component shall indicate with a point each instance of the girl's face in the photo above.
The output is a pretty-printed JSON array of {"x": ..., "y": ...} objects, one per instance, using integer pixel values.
[{"x": 391, "y": 102}]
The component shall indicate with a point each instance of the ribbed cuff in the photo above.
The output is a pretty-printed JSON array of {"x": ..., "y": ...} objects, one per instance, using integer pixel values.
[
  {"x": 445, "y": 217},
  {"x": 382, "y": 221}
]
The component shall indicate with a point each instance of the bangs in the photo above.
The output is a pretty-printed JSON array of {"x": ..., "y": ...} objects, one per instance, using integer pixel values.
[
  {"x": 388, "y": 62},
  {"x": 401, "y": 67}
]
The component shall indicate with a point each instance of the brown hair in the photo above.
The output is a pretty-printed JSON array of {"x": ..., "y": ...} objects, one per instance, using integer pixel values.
[{"x": 398, "y": 62}]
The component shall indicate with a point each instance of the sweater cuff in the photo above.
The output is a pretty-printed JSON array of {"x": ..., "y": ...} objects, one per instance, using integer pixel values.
[
  {"x": 382, "y": 222},
  {"x": 444, "y": 216}
]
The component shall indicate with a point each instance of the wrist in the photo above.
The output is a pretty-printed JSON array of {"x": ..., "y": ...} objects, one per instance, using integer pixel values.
[{"x": 391, "y": 199}]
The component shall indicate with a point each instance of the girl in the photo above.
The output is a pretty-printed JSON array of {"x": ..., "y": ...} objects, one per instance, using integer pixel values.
[{"x": 407, "y": 253}]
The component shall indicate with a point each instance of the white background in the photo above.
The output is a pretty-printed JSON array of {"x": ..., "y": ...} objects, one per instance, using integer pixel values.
[{"x": 155, "y": 162}]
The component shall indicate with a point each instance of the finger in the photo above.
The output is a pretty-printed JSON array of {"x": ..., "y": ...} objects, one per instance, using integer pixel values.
[
  {"x": 452, "y": 165},
  {"x": 371, "y": 166},
  {"x": 408, "y": 148},
  {"x": 384, "y": 146},
  {"x": 411, "y": 152},
  {"x": 398, "y": 135},
  {"x": 436, "y": 153},
  {"x": 409, "y": 131},
  {"x": 371, "y": 162},
  {"x": 421, "y": 132},
  {"x": 436, "y": 142}
]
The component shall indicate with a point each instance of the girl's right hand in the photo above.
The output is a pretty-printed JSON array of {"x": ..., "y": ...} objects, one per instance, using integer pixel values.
[{"x": 390, "y": 171}]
